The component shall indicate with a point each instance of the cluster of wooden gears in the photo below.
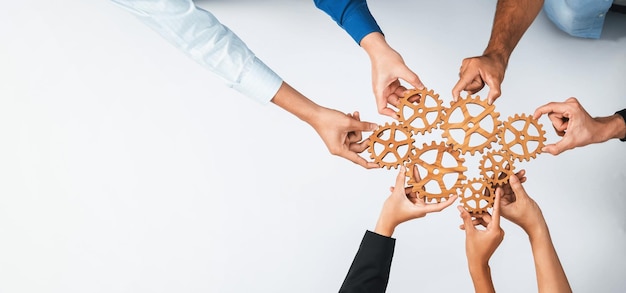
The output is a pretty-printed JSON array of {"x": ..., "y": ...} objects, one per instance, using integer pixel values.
[{"x": 420, "y": 111}]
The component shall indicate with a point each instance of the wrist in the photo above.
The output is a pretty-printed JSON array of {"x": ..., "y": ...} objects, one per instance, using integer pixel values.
[
  {"x": 615, "y": 127},
  {"x": 373, "y": 44},
  {"x": 383, "y": 227},
  {"x": 606, "y": 128},
  {"x": 537, "y": 231},
  {"x": 499, "y": 56}
]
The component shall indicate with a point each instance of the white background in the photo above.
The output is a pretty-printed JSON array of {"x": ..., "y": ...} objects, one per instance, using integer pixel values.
[{"x": 127, "y": 167}]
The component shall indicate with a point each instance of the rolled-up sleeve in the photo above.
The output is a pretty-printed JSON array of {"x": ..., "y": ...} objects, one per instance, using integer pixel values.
[
  {"x": 202, "y": 37},
  {"x": 352, "y": 15}
]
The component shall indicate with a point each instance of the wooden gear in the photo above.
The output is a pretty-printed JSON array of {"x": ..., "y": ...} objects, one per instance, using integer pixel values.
[
  {"x": 495, "y": 164},
  {"x": 436, "y": 172},
  {"x": 471, "y": 125},
  {"x": 419, "y": 111},
  {"x": 390, "y": 145},
  {"x": 521, "y": 137},
  {"x": 480, "y": 193}
]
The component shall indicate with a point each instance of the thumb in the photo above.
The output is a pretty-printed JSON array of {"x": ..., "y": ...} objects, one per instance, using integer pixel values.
[
  {"x": 412, "y": 78},
  {"x": 356, "y": 125},
  {"x": 400, "y": 179},
  {"x": 467, "y": 220},
  {"x": 517, "y": 187}
]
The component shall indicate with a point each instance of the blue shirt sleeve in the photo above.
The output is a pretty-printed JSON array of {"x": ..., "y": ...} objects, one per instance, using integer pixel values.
[{"x": 352, "y": 15}]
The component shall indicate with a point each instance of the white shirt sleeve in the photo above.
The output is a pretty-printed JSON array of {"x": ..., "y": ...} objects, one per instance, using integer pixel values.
[{"x": 203, "y": 38}]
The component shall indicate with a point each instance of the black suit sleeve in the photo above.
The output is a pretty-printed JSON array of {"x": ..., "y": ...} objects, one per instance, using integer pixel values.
[
  {"x": 369, "y": 271},
  {"x": 623, "y": 114}
]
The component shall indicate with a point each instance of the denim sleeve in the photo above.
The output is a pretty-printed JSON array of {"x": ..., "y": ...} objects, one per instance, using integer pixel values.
[
  {"x": 352, "y": 15},
  {"x": 578, "y": 18},
  {"x": 203, "y": 38}
]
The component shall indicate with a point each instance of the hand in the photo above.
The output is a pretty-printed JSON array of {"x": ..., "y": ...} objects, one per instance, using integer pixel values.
[
  {"x": 519, "y": 208},
  {"x": 402, "y": 206},
  {"x": 342, "y": 134},
  {"x": 387, "y": 69},
  {"x": 577, "y": 127},
  {"x": 475, "y": 72},
  {"x": 481, "y": 244}
]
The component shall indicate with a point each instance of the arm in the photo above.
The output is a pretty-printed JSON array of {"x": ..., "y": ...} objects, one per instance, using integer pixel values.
[
  {"x": 522, "y": 210},
  {"x": 578, "y": 128},
  {"x": 512, "y": 19},
  {"x": 369, "y": 271},
  {"x": 481, "y": 244},
  {"x": 387, "y": 65},
  {"x": 203, "y": 38}
]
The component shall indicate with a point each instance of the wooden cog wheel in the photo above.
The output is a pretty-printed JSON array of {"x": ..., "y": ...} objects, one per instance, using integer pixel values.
[
  {"x": 521, "y": 137},
  {"x": 471, "y": 125},
  {"x": 477, "y": 196},
  {"x": 436, "y": 171},
  {"x": 414, "y": 115},
  {"x": 390, "y": 145},
  {"x": 496, "y": 167}
]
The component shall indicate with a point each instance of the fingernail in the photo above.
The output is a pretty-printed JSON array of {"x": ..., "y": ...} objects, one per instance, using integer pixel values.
[{"x": 544, "y": 149}]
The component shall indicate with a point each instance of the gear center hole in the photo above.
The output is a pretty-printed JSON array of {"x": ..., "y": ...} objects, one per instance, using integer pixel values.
[
  {"x": 470, "y": 124},
  {"x": 436, "y": 171}
]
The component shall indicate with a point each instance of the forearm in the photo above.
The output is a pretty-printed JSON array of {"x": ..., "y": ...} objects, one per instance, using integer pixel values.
[
  {"x": 295, "y": 103},
  {"x": 611, "y": 127},
  {"x": 512, "y": 19},
  {"x": 481, "y": 277},
  {"x": 550, "y": 274}
]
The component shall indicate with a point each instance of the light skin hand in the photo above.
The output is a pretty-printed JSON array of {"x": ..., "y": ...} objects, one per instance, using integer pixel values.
[
  {"x": 342, "y": 133},
  {"x": 571, "y": 121},
  {"x": 512, "y": 19},
  {"x": 388, "y": 68},
  {"x": 481, "y": 244},
  {"x": 522, "y": 210},
  {"x": 401, "y": 206}
]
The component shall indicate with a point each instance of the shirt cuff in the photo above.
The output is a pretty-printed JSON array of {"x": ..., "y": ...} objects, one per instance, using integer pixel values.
[
  {"x": 259, "y": 82},
  {"x": 623, "y": 114},
  {"x": 360, "y": 23}
]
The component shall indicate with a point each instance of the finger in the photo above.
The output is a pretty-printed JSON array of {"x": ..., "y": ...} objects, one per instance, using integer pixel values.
[
  {"x": 475, "y": 86},
  {"x": 517, "y": 187},
  {"x": 467, "y": 220},
  {"x": 495, "y": 219},
  {"x": 460, "y": 85},
  {"x": 381, "y": 105},
  {"x": 394, "y": 100},
  {"x": 355, "y": 158},
  {"x": 441, "y": 205},
  {"x": 359, "y": 147},
  {"x": 550, "y": 108},
  {"x": 356, "y": 135},
  {"x": 412, "y": 78},
  {"x": 415, "y": 173},
  {"x": 494, "y": 89},
  {"x": 559, "y": 147},
  {"x": 400, "y": 179},
  {"x": 356, "y": 125},
  {"x": 400, "y": 91}
]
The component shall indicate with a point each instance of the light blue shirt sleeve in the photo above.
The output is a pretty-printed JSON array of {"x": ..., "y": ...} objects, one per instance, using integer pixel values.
[
  {"x": 203, "y": 38},
  {"x": 579, "y": 18}
]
